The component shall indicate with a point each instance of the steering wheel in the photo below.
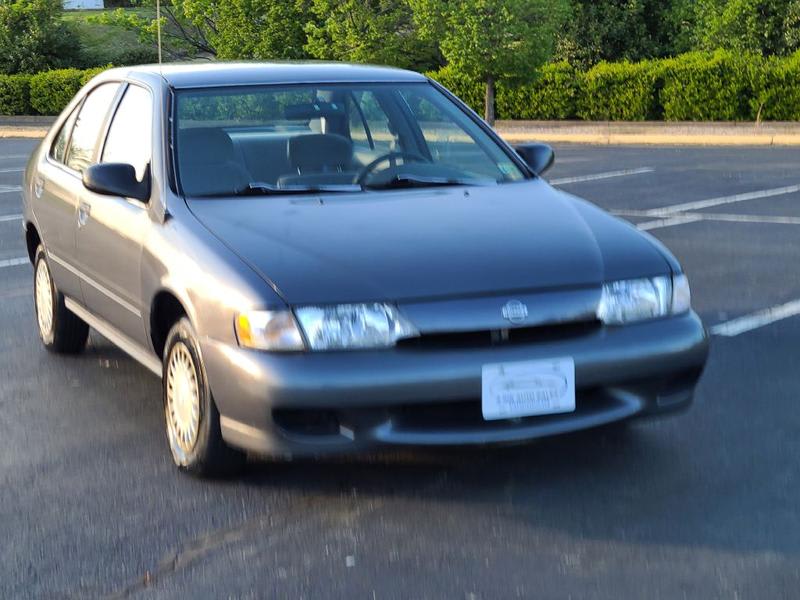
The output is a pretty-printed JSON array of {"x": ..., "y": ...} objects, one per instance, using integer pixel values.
[{"x": 392, "y": 157}]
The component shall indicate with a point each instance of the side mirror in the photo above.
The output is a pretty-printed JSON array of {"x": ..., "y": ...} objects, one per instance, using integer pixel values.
[
  {"x": 117, "y": 179},
  {"x": 539, "y": 157}
]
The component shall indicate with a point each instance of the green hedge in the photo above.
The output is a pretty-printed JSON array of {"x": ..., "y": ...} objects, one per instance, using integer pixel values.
[
  {"x": 777, "y": 88},
  {"x": 552, "y": 96},
  {"x": 620, "y": 92},
  {"x": 710, "y": 87},
  {"x": 717, "y": 86},
  {"x": 15, "y": 95},
  {"x": 51, "y": 91}
]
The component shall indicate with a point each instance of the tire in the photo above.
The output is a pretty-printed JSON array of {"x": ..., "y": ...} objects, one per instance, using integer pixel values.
[
  {"x": 60, "y": 330},
  {"x": 191, "y": 417}
]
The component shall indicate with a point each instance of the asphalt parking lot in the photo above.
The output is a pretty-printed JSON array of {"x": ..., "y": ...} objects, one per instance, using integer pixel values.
[{"x": 700, "y": 505}]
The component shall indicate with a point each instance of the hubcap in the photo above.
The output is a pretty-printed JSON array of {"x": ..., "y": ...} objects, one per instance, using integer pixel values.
[
  {"x": 44, "y": 298},
  {"x": 183, "y": 401}
]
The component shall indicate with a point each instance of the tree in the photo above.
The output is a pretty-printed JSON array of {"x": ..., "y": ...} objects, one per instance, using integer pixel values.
[
  {"x": 370, "y": 31},
  {"x": 768, "y": 27},
  {"x": 33, "y": 38},
  {"x": 226, "y": 29},
  {"x": 624, "y": 30},
  {"x": 492, "y": 40}
]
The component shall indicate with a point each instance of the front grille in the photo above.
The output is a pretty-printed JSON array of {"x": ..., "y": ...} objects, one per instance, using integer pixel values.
[{"x": 500, "y": 337}]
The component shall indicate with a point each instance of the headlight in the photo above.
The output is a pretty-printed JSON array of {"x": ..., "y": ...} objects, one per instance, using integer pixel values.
[
  {"x": 351, "y": 326},
  {"x": 268, "y": 330},
  {"x": 634, "y": 300}
]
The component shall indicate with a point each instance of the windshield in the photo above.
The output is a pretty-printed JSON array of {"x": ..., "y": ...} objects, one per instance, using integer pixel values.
[{"x": 342, "y": 137}]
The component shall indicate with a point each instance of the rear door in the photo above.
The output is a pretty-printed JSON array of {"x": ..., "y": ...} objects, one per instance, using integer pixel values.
[
  {"x": 59, "y": 185},
  {"x": 112, "y": 230}
]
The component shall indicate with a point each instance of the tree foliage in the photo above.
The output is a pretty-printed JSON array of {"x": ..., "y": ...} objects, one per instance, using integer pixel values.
[
  {"x": 492, "y": 40},
  {"x": 226, "y": 29},
  {"x": 33, "y": 37},
  {"x": 371, "y": 31},
  {"x": 769, "y": 27}
]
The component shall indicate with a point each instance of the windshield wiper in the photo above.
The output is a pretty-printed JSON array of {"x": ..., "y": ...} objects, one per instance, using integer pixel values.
[
  {"x": 414, "y": 181},
  {"x": 267, "y": 189}
]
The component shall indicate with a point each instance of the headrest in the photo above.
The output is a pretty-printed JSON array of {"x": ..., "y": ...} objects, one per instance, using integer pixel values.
[
  {"x": 206, "y": 145},
  {"x": 318, "y": 151}
]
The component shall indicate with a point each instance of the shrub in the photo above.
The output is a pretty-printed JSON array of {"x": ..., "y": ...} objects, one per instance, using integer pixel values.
[
  {"x": 621, "y": 91},
  {"x": 710, "y": 87},
  {"x": 552, "y": 96},
  {"x": 777, "y": 90},
  {"x": 15, "y": 95},
  {"x": 33, "y": 37},
  {"x": 51, "y": 91},
  {"x": 470, "y": 91}
]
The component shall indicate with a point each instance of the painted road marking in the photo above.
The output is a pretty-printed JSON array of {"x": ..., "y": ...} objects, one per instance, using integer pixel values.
[
  {"x": 599, "y": 176},
  {"x": 14, "y": 262},
  {"x": 20, "y": 170},
  {"x": 684, "y": 218},
  {"x": 756, "y": 320},
  {"x": 671, "y": 221},
  {"x": 14, "y": 156},
  {"x": 5, "y": 189},
  {"x": 687, "y": 206},
  {"x": 6, "y": 218}
]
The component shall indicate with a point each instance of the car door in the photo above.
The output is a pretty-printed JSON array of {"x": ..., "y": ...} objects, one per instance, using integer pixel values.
[
  {"x": 58, "y": 185},
  {"x": 111, "y": 229}
]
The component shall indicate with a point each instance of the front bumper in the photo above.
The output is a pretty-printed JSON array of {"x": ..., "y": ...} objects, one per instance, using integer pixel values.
[{"x": 310, "y": 403}]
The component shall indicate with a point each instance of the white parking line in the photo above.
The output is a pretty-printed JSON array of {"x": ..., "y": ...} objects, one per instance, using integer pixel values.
[
  {"x": 6, "y": 189},
  {"x": 14, "y": 262},
  {"x": 756, "y": 320},
  {"x": 676, "y": 220},
  {"x": 599, "y": 176},
  {"x": 686, "y": 206},
  {"x": 683, "y": 218},
  {"x": 20, "y": 170},
  {"x": 5, "y": 218},
  {"x": 13, "y": 156}
]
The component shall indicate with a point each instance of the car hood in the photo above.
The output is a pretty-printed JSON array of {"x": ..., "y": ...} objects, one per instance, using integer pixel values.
[{"x": 428, "y": 243}]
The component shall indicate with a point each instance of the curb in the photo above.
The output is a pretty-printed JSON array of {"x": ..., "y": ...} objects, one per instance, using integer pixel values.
[
  {"x": 653, "y": 133},
  {"x": 22, "y": 132}
]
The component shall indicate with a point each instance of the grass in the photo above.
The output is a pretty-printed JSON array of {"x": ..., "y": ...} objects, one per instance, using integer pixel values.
[{"x": 105, "y": 44}]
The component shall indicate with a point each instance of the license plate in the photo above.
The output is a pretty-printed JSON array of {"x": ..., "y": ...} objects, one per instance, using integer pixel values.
[{"x": 529, "y": 388}]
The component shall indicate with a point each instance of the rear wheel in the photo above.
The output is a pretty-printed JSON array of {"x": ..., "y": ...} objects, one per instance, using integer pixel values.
[
  {"x": 192, "y": 418},
  {"x": 61, "y": 331}
]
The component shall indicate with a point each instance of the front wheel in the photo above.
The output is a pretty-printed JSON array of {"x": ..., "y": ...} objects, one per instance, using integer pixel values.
[
  {"x": 192, "y": 418},
  {"x": 61, "y": 330}
]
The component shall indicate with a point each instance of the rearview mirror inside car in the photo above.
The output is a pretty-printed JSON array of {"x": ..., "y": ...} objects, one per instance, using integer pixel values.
[
  {"x": 539, "y": 157},
  {"x": 117, "y": 179}
]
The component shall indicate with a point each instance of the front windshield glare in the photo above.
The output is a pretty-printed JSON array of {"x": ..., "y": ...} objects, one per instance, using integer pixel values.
[{"x": 329, "y": 138}]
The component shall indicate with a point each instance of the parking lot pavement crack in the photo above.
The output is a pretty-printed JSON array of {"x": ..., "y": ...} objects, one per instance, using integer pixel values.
[
  {"x": 270, "y": 529},
  {"x": 199, "y": 548}
]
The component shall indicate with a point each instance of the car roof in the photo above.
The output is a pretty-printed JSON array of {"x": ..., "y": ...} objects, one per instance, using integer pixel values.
[{"x": 219, "y": 73}]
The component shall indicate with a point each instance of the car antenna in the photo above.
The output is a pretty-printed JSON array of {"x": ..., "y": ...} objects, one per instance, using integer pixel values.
[{"x": 158, "y": 33}]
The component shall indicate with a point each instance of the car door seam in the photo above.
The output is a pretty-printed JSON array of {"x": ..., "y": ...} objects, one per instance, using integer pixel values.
[{"x": 102, "y": 289}]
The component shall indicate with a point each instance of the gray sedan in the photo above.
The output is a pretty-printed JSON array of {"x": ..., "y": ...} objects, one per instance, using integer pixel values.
[{"x": 321, "y": 258}]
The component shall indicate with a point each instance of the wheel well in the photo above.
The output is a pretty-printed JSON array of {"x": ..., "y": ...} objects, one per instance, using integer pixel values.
[
  {"x": 32, "y": 240},
  {"x": 166, "y": 311}
]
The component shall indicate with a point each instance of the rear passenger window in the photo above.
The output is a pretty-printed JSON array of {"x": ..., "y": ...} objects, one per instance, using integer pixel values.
[
  {"x": 59, "y": 150},
  {"x": 90, "y": 121},
  {"x": 129, "y": 137}
]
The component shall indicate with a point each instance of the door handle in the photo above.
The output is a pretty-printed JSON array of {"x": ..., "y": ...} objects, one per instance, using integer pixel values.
[{"x": 84, "y": 211}]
